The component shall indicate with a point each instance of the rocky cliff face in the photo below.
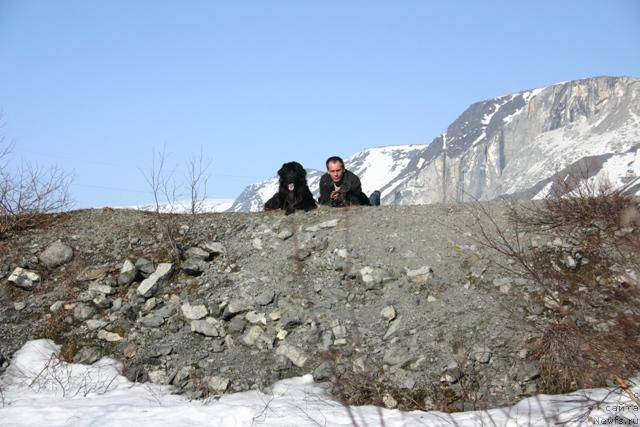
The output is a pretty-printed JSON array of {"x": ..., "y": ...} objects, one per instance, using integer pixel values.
[{"x": 516, "y": 145}]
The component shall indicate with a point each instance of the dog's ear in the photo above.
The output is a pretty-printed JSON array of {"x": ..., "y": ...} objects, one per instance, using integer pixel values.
[
  {"x": 281, "y": 170},
  {"x": 301, "y": 171}
]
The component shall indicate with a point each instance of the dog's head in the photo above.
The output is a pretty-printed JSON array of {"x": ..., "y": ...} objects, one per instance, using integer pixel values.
[{"x": 292, "y": 176}]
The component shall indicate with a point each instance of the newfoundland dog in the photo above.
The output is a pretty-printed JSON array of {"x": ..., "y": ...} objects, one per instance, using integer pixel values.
[{"x": 293, "y": 192}]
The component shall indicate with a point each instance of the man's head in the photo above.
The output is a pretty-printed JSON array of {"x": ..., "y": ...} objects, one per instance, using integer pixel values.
[{"x": 335, "y": 168}]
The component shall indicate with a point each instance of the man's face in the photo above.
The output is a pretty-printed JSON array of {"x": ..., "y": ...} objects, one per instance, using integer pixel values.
[{"x": 336, "y": 171}]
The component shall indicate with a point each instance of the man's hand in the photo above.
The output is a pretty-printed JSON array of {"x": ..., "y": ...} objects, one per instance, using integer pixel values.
[{"x": 336, "y": 196}]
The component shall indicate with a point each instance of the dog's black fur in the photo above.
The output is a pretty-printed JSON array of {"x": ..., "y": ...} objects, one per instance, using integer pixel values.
[{"x": 293, "y": 175}]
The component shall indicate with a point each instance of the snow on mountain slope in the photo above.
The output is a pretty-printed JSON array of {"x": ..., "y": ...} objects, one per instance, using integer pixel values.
[{"x": 184, "y": 206}]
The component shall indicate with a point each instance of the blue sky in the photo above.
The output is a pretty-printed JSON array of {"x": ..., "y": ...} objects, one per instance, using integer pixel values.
[{"x": 96, "y": 86}]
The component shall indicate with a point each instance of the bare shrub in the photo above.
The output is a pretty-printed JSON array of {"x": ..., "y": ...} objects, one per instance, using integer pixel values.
[
  {"x": 580, "y": 250},
  {"x": 28, "y": 191}
]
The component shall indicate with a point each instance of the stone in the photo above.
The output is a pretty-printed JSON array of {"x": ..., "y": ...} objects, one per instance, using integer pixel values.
[
  {"x": 251, "y": 336},
  {"x": 329, "y": 224},
  {"x": 17, "y": 306},
  {"x": 150, "y": 285},
  {"x": 209, "y": 327},
  {"x": 389, "y": 402},
  {"x": 323, "y": 372},
  {"x": 24, "y": 279},
  {"x": 293, "y": 318},
  {"x": 152, "y": 320},
  {"x": 99, "y": 288},
  {"x": 218, "y": 384},
  {"x": 56, "y": 306},
  {"x": 451, "y": 373},
  {"x": 194, "y": 312},
  {"x": 393, "y": 330},
  {"x": 87, "y": 355},
  {"x": 109, "y": 336},
  {"x": 193, "y": 267},
  {"x": 94, "y": 324},
  {"x": 144, "y": 266},
  {"x": 92, "y": 274},
  {"x": 196, "y": 253},
  {"x": 215, "y": 248},
  {"x": 56, "y": 254},
  {"x": 83, "y": 311},
  {"x": 237, "y": 325},
  {"x": 388, "y": 313},
  {"x": 481, "y": 354},
  {"x": 255, "y": 318},
  {"x": 285, "y": 234},
  {"x": 419, "y": 276},
  {"x": 295, "y": 355},
  {"x": 266, "y": 297},
  {"x": 398, "y": 356},
  {"x": 128, "y": 273},
  {"x": 257, "y": 244},
  {"x": 371, "y": 278}
]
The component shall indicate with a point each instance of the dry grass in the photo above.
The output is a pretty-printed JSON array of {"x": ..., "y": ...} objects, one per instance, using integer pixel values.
[{"x": 585, "y": 272}]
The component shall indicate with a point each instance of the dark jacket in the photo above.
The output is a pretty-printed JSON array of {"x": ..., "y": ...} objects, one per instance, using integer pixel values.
[{"x": 350, "y": 187}]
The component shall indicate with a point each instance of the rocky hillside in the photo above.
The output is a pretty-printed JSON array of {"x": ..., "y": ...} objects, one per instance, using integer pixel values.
[
  {"x": 257, "y": 297},
  {"x": 516, "y": 145}
]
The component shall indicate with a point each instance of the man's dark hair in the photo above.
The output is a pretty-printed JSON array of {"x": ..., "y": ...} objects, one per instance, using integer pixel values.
[{"x": 333, "y": 159}]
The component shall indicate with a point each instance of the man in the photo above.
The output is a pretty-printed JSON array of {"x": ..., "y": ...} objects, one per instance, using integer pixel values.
[{"x": 340, "y": 187}]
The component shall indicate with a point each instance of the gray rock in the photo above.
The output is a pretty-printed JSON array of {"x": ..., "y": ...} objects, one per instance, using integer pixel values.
[
  {"x": 266, "y": 297},
  {"x": 196, "y": 253},
  {"x": 209, "y": 327},
  {"x": 324, "y": 371},
  {"x": 194, "y": 267},
  {"x": 529, "y": 372},
  {"x": 87, "y": 355},
  {"x": 398, "y": 356},
  {"x": 194, "y": 312},
  {"x": 145, "y": 266},
  {"x": 219, "y": 384},
  {"x": 451, "y": 373},
  {"x": 94, "y": 324},
  {"x": 128, "y": 273},
  {"x": 24, "y": 279},
  {"x": 235, "y": 307},
  {"x": 251, "y": 336},
  {"x": 481, "y": 354},
  {"x": 236, "y": 325},
  {"x": 393, "y": 330},
  {"x": 285, "y": 234},
  {"x": 215, "y": 248},
  {"x": 293, "y": 318},
  {"x": 150, "y": 285},
  {"x": 420, "y": 275},
  {"x": 83, "y": 311},
  {"x": 388, "y": 313},
  {"x": 99, "y": 288},
  {"x": 56, "y": 254},
  {"x": 152, "y": 320},
  {"x": 295, "y": 355}
]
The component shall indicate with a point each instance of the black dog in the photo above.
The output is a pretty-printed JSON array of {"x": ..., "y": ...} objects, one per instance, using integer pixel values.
[{"x": 293, "y": 192}]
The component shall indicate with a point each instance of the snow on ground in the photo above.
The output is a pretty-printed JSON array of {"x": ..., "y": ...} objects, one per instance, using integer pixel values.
[{"x": 39, "y": 389}]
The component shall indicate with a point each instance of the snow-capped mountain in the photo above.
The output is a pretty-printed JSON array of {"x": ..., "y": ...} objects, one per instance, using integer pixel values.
[
  {"x": 184, "y": 206},
  {"x": 516, "y": 145}
]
